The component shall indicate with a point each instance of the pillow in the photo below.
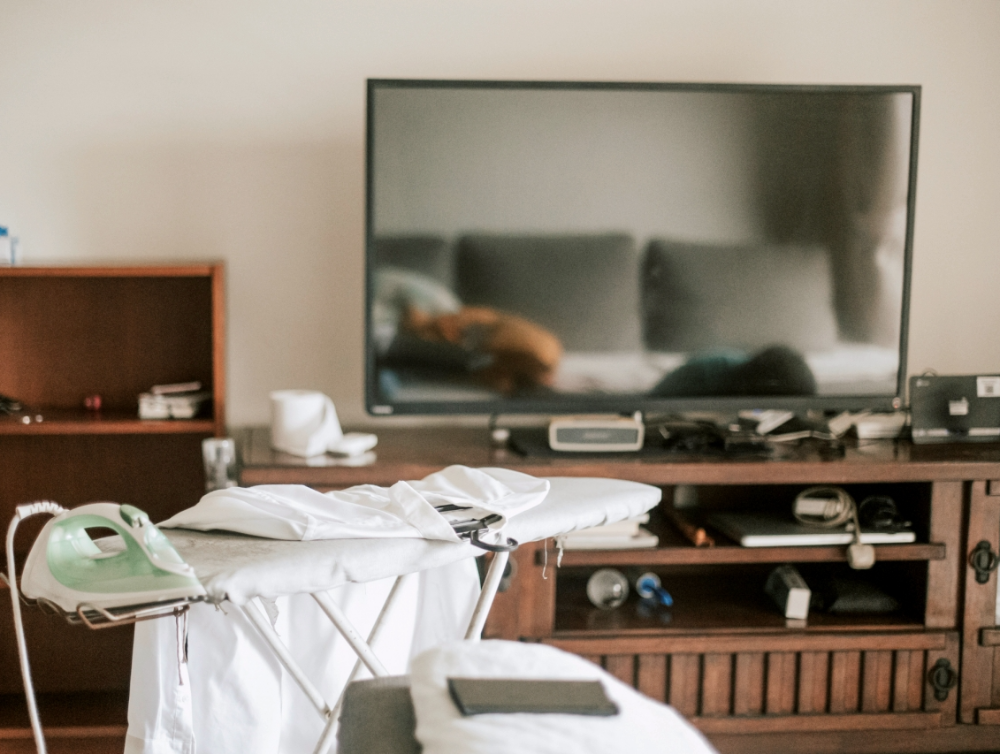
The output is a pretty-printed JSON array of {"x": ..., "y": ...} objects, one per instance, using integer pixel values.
[
  {"x": 395, "y": 290},
  {"x": 703, "y": 296},
  {"x": 582, "y": 288},
  {"x": 428, "y": 255}
]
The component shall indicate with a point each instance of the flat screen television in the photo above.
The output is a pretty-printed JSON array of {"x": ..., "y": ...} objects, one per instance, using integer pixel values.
[{"x": 570, "y": 247}]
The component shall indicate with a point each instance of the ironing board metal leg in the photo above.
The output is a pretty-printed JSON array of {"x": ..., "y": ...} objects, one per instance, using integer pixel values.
[
  {"x": 376, "y": 632},
  {"x": 332, "y": 722},
  {"x": 329, "y": 731},
  {"x": 350, "y": 633},
  {"x": 267, "y": 632},
  {"x": 486, "y": 596}
]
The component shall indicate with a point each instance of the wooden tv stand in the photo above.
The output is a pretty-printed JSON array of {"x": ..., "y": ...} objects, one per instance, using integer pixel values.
[{"x": 924, "y": 678}]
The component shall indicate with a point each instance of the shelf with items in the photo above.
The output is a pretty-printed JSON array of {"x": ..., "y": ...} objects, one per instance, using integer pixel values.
[
  {"x": 727, "y": 599},
  {"x": 44, "y": 421},
  {"x": 730, "y": 553},
  {"x": 674, "y": 548},
  {"x": 70, "y": 333},
  {"x": 720, "y": 588}
]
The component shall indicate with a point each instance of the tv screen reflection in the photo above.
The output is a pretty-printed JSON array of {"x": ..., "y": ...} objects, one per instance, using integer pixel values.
[{"x": 548, "y": 243}]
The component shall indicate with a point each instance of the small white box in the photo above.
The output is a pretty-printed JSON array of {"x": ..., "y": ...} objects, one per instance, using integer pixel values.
[
  {"x": 597, "y": 434},
  {"x": 790, "y": 592},
  {"x": 880, "y": 426}
]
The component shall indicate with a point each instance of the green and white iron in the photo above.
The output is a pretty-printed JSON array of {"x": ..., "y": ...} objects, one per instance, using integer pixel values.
[
  {"x": 139, "y": 566},
  {"x": 134, "y": 574}
]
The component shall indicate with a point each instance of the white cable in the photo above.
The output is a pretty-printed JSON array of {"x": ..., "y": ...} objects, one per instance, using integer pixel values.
[
  {"x": 828, "y": 507},
  {"x": 22, "y": 512}
]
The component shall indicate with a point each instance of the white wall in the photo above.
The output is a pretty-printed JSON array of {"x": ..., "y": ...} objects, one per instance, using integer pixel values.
[{"x": 195, "y": 129}]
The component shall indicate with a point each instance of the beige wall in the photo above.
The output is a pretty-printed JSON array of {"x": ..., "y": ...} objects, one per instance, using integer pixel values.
[{"x": 191, "y": 129}]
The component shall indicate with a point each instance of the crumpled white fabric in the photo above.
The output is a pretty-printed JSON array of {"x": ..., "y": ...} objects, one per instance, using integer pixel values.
[
  {"x": 406, "y": 509},
  {"x": 642, "y": 726},
  {"x": 236, "y": 697}
]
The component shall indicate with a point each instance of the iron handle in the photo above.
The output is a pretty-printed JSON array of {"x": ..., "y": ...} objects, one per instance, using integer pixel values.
[
  {"x": 983, "y": 561},
  {"x": 942, "y": 678}
]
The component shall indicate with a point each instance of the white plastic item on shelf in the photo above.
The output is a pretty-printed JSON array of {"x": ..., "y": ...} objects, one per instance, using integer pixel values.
[
  {"x": 868, "y": 425},
  {"x": 881, "y": 426},
  {"x": 789, "y": 591},
  {"x": 624, "y": 535},
  {"x": 171, "y": 406}
]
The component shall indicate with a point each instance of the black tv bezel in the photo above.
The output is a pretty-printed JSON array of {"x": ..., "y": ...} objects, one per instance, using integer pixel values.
[{"x": 627, "y": 403}]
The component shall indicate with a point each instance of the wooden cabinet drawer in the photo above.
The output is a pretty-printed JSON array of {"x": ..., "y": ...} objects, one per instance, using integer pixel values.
[{"x": 788, "y": 682}]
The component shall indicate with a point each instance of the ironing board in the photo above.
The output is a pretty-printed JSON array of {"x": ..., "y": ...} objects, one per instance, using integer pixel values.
[{"x": 243, "y": 570}]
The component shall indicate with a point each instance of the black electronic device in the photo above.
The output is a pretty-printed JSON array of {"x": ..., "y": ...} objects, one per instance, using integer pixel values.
[
  {"x": 562, "y": 248},
  {"x": 9, "y": 405},
  {"x": 959, "y": 408}
]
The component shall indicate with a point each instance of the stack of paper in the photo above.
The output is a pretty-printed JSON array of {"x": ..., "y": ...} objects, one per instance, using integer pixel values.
[{"x": 624, "y": 535}]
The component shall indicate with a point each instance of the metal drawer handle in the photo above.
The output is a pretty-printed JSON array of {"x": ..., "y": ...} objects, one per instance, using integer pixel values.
[
  {"x": 983, "y": 561},
  {"x": 942, "y": 679}
]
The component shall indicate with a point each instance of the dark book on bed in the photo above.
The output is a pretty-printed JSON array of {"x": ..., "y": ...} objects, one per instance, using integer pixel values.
[{"x": 476, "y": 696}]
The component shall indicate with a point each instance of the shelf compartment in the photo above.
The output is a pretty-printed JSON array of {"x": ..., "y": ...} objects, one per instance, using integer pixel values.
[
  {"x": 719, "y": 601},
  {"x": 70, "y": 715},
  {"x": 676, "y": 549},
  {"x": 66, "y": 333}
]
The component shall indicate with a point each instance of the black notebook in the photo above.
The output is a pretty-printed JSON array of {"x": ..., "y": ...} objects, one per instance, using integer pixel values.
[{"x": 476, "y": 696}]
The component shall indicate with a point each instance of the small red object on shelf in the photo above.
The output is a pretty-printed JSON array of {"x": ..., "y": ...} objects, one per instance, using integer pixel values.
[{"x": 92, "y": 402}]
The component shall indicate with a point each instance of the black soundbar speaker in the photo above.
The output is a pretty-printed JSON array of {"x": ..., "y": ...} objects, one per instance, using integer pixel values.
[{"x": 963, "y": 408}]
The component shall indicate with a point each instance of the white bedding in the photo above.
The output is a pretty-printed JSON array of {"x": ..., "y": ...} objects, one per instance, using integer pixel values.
[{"x": 641, "y": 727}]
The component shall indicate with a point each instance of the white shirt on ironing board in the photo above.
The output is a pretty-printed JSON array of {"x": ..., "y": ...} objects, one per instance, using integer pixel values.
[{"x": 236, "y": 698}]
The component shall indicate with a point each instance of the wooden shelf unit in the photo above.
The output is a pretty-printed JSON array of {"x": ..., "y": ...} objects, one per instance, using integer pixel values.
[
  {"x": 67, "y": 333},
  {"x": 723, "y": 655}
]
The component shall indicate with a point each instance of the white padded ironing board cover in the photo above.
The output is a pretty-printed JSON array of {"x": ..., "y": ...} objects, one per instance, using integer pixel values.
[{"x": 238, "y": 567}]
